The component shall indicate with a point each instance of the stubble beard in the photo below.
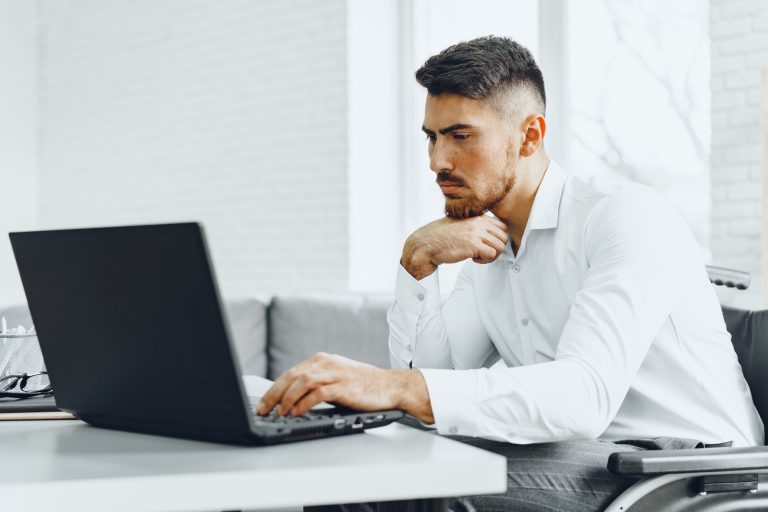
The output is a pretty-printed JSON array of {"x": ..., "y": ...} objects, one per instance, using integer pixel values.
[{"x": 464, "y": 208}]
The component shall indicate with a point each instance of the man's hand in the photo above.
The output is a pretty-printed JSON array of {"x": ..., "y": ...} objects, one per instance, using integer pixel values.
[
  {"x": 448, "y": 240},
  {"x": 332, "y": 378}
]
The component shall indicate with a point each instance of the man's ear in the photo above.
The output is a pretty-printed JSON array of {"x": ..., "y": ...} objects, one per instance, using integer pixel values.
[{"x": 535, "y": 128}]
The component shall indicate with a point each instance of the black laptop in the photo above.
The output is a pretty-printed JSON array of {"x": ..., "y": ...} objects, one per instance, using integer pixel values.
[{"x": 131, "y": 328}]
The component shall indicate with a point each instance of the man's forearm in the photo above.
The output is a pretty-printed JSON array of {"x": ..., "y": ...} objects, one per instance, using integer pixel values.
[{"x": 412, "y": 394}]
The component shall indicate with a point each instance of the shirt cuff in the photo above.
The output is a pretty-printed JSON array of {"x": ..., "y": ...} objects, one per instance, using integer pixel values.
[
  {"x": 422, "y": 296},
  {"x": 452, "y": 396}
]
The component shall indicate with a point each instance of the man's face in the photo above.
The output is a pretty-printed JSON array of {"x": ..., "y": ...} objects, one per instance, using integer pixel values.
[{"x": 472, "y": 151}]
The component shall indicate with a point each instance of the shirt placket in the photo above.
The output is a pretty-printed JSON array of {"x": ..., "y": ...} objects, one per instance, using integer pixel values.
[{"x": 522, "y": 320}]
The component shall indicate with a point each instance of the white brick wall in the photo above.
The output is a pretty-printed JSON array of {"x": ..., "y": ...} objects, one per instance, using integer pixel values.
[
  {"x": 18, "y": 134},
  {"x": 232, "y": 112},
  {"x": 739, "y": 39}
]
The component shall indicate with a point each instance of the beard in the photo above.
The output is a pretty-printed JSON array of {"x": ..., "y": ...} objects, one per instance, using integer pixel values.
[{"x": 473, "y": 206}]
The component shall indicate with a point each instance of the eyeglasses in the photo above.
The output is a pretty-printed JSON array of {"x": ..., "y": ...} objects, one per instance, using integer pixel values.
[{"x": 25, "y": 385}]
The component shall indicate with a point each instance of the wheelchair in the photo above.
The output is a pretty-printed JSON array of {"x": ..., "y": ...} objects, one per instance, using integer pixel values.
[{"x": 708, "y": 479}]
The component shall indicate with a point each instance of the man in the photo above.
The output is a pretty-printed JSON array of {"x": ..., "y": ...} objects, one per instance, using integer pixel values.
[{"x": 593, "y": 294}]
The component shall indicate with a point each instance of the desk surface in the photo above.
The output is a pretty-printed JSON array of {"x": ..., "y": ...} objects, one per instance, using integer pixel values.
[{"x": 68, "y": 465}]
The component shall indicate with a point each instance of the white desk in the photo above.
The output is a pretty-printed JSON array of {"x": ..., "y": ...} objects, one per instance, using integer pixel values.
[{"x": 68, "y": 465}]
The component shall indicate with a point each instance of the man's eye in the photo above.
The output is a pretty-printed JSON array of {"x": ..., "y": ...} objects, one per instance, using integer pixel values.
[
  {"x": 461, "y": 136},
  {"x": 431, "y": 138}
]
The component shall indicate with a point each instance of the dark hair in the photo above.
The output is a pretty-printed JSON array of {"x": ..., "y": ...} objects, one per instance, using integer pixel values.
[{"x": 478, "y": 68}]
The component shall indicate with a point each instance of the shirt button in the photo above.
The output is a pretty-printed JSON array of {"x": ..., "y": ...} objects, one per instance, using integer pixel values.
[
  {"x": 453, "y": 430},
  {"x": 516, "y": 268},
  {"x": 420, "y": 296},
  {"x": 408, "y": 347},
  {"x": 524, "y": 321}
]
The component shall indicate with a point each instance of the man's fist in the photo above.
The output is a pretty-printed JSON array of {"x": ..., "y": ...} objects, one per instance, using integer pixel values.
[{"x": 481, "y": 239}]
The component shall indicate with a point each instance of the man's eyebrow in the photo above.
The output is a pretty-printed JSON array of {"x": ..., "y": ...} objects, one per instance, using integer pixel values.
[{"x": 447, "y": 129}]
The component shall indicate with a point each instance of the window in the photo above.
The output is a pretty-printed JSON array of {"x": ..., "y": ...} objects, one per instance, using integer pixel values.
[{"x": 639, "y": 98}]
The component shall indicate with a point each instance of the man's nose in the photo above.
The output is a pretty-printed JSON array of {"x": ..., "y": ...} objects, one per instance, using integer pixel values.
[{"x": 440, "y": 158}]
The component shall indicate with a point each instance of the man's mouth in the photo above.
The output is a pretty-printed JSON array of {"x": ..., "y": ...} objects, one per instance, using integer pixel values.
[{"x": 449, "y": 188}]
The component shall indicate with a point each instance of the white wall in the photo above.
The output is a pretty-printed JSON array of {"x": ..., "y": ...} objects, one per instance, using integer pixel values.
[
  {"x": 554, "y": 61},
  {"x": 739, "y": 35},
  {"x": 374, "y": 116},
  {"x": 18, "y": 134},
  {"x": 231, "y": 112}
]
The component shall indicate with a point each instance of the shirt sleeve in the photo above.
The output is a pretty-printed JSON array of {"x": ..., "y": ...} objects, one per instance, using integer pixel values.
[
  {"x": 638, "y": 251},
  {"x": 420, "y": 336}
]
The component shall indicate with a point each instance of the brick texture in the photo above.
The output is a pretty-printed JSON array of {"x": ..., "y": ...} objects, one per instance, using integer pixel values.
[
  {"x": 18, "y": 135},
  {"x": 739, "y": 49},
  {"x": 230, "y": 112}
]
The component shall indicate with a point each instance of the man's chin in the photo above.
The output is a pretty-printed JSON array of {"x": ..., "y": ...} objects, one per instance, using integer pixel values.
[{"x": 463, "y": 209}]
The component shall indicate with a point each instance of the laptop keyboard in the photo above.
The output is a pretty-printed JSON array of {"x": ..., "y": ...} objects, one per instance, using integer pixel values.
[{"x": 273, "y": 417}]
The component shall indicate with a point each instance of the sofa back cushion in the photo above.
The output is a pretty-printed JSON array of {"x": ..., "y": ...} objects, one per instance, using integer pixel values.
[
  {"x": 247, "y": 319},
  {"x": 353, "y": 326},
  {"x": 247, "y": 324}
]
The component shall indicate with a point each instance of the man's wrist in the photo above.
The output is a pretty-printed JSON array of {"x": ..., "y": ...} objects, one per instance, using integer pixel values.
[
  {"x": 412, "y": 395},
  {"x": 417, "y": 263}
]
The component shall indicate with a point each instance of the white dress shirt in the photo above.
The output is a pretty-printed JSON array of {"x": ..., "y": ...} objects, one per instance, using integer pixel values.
[{"x": 605, "y": 320}]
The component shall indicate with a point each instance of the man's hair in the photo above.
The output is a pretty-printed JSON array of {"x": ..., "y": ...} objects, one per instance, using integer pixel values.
[{"x": 482, "y": 67}]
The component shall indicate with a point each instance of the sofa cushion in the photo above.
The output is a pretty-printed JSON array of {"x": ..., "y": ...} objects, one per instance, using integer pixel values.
[
  {"x": 354, "y": 326},
  {"x": 247, "y": 320}
]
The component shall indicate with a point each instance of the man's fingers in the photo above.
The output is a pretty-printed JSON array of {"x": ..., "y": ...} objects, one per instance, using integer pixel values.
[
  {"x": 305, "y": 383},
  {"x": 492, "y": 226},
  {"x": 275, "y": 393},
  {"x": 297, "y": 389},
  {"x": 484, "y": 253},
  {"x": 499, "y": 234},
  {"x": 326, "y": 393},
  {"x": 495, "y": 243},
  {"x": 495, "y": 221},
  {"x": 495, "y": 227}
]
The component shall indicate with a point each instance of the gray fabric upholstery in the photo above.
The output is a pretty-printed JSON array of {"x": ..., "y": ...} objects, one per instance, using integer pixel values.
[
  {"x": 247, "y": 320},
  {"x": 248, "y": 326},
  {"x": 353, "y": 326}
]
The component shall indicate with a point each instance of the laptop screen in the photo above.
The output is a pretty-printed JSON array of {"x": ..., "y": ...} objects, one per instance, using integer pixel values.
[{"x": 130, "y": 324}]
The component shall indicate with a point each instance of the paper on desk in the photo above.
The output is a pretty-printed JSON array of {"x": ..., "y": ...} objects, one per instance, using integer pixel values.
[
  {"x": 19, "y": 330},
  {"x": 34, "y": 415},
  {"x": 255, "y": 387}
]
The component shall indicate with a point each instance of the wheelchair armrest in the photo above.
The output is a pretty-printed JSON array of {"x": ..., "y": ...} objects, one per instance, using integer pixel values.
[
  {"x": 699, "y": 460},
  {"x": 731, "y": 278}
]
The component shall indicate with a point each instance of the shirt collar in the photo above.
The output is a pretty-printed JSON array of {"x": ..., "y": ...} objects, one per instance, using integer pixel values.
[{"x": 546, "y": 204}]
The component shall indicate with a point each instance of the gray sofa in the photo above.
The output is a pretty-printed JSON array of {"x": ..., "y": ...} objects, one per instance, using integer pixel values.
[{"x": 272, "y": 335}]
